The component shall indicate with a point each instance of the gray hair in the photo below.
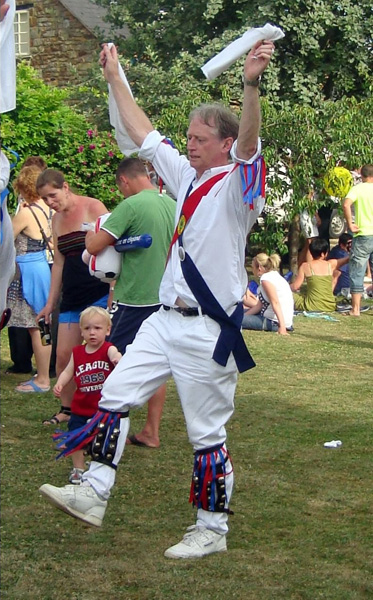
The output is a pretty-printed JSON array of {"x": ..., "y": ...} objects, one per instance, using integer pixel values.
[{"x": 219, "y": 117}]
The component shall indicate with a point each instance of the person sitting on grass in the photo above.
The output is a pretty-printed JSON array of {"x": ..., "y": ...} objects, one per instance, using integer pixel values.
[
  {"x": 89, "y": 366},
  {"x": 341, "y": 277},
  {"x": 273, "y": 308},
  {"x": 318, "y": 273}
]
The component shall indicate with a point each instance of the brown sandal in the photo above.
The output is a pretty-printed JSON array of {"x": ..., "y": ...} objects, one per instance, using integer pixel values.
[{"x": 64, "y": 410}]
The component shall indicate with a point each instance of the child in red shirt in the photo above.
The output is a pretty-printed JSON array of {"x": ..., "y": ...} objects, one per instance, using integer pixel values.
[{"x": 90, "y": 365}]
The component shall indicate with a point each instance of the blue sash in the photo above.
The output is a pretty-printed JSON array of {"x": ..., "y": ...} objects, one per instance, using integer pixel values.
[{"x": 230, "y": 338}]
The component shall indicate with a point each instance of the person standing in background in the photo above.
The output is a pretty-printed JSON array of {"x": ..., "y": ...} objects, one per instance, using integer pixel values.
[{"x": 360, "y": 197}]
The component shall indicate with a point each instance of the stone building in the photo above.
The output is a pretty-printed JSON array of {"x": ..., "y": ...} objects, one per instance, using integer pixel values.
[{"x": 61, "y": 38}]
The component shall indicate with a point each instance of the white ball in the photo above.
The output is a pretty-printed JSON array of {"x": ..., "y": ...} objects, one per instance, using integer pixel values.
[{"x": 107, "y": 264}]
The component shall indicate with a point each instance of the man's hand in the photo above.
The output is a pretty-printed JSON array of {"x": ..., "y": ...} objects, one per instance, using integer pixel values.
[
  {"x": 3, "y": 9},
  {"x": 258, "y": 59},
  {"x": 109, "y": 62},
  {"x": 354, "y": 228}
]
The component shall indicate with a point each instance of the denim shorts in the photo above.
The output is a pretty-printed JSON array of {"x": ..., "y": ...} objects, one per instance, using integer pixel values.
[
  {"x": 73, "y": 316},
  {"x": 362, "y": 251}
]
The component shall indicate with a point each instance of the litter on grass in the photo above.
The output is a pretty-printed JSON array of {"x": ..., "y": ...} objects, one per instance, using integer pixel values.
[{"x": 333, "y": 444}]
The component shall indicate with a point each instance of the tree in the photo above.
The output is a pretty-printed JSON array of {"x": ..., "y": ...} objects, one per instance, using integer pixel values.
[
  {"x": 43, "y": 123},
  {"x": 305, "y": 142},
  {"x": 326, "y": 54}
]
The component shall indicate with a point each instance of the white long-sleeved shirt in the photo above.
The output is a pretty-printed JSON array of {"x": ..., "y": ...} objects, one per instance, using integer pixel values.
[{"x": 215, "y": 236}]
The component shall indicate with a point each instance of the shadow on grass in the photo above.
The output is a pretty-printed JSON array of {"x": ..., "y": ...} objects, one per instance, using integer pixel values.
[{"x": 358, "y": 343}]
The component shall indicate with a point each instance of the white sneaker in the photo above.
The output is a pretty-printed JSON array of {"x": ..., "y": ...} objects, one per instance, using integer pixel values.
[
  {"x": 198, "y": 542},
  {"x": 78, "y": 501}
]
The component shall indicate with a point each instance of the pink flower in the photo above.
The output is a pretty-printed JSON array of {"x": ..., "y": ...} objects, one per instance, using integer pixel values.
[
  {"x": 110, "y": 153},
  {"x": 90, "y": 133},
  {"x": 92, "y": 146},
  {"x": 80, "y": 149}
]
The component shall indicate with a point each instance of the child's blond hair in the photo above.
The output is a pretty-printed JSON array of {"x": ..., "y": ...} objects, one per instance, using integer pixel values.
[{"x": 95, "y": 310}]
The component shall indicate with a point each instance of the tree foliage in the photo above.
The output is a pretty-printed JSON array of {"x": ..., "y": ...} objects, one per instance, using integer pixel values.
[
  {"x": 326, "y": 52},
  {"x": 44, "y": 124},
  {"x": 305, "y": 143}
]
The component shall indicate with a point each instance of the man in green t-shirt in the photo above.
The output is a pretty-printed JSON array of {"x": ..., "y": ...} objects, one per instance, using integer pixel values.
[
  {"x": 135, "y": 294},
  {"x": 361, "y": 196}
]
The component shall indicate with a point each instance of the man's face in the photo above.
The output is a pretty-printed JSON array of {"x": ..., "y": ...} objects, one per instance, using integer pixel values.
[{"x": 205, "y": 148}]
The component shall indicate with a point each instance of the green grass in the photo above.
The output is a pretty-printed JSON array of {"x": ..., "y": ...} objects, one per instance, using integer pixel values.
[{"x": 302, "y": 528}]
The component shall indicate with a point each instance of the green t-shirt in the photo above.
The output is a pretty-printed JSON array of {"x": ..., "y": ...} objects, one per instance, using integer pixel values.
[
  {"x": 142, "y": 269},
  {"x": 362, "y": 196}
]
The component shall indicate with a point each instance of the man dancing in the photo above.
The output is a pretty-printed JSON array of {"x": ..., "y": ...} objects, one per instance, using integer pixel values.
[{"x": 195, "y": 337}]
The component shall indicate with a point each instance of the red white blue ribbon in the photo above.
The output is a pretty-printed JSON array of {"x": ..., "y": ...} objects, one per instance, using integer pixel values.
[{"x": 253, "y": 181}]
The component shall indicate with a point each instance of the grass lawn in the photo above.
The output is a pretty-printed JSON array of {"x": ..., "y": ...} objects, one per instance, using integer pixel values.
[{"x": 302, "y": 527}]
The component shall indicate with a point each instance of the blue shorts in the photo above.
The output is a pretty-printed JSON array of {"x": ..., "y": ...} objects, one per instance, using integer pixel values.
[
  {"x": 77, "y": 421},
  {"x": 73, "y": 316},
  {"x": 126, "y": 321}
]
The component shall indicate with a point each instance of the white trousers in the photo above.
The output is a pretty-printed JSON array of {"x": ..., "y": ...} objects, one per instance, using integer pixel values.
[{"x": 166, "y": 345}]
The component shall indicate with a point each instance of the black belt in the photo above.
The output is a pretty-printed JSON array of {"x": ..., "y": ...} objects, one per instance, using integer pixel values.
[{"x": 186, "y": 312}]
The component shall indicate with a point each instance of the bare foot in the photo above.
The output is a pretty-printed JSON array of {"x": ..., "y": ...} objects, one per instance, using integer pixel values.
[{"x": 140, "y": 439}]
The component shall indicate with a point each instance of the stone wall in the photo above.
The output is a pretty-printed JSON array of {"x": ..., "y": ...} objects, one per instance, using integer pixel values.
[{"x": 62, "y": 49}]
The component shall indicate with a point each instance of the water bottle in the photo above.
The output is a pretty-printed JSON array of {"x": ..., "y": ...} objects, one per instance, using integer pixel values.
[{"x": 45, "y": 332}]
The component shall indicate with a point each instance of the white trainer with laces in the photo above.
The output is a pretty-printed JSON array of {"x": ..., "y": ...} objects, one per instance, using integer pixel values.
[
  {"x": 79, "y": 501},
  {"x": 198, "y": 542}
]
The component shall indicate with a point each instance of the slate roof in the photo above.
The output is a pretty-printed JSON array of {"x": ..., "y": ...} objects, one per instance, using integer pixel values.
[{"x": 92, "y": 17}]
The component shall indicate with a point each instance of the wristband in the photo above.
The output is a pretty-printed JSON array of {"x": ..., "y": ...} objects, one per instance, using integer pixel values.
[{"x": 251, "y": 82}]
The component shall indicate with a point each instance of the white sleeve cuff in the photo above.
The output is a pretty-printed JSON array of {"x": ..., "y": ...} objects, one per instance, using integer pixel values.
[
  {"x": 254, "y": 157},
  {"x": 150, "y": 145}
]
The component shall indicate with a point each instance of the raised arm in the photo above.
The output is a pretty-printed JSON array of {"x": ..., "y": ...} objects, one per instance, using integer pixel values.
[
  {"x": 336, "y": 263},
  {"x": 256, "y": 62},
  {"x": 133, "y": 117}
]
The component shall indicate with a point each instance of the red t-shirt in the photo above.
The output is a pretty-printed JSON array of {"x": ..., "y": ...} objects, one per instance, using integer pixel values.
[{"x": 90, "y": 372}]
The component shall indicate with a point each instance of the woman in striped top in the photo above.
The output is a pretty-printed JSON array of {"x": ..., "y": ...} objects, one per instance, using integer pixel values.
[{"x": 69, "y": 274}]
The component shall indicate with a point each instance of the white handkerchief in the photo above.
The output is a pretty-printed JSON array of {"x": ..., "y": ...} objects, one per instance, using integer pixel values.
[
  {"x": 125, "y": 143},
  {"x": 239, "y": 47},
  {"x": 7, "y": 61}
]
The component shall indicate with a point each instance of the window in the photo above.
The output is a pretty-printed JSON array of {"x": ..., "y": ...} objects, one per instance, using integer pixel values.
[{"x": 22, "y": 33}]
